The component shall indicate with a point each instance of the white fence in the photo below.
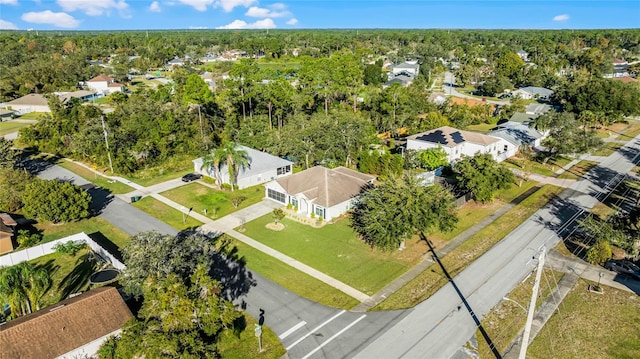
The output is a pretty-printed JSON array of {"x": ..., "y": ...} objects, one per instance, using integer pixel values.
[{"x": 28, "y": 254}]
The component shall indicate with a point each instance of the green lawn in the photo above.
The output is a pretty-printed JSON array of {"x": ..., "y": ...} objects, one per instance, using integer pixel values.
[
  {"x": 293, "y": 279},
  {"x": 114, "y": 187},
  {"x": 630, "y": 132},
  {"x": 505, "y": 320},
  {"x": 432, "y": 279},
  {"x": 591, "y": 325},
  {"x": 578, "y": 170},
  {"x": 482, "y": 128},
  {"x": 472, "y": 212},
  {"x": 90, "y": 225},
  {"x": 33, "y": 115},
  {"x": 9, "y": 127},
  {"x": 217, "y": 203},
  {"x": 609, "y": 148},
  {"x": 245, "y": 344},
  {"x": 166, "y": 214},
  {"x": 335, "y": 250},
  {"x": 69, "y": 274},
  {"x": 546, "y": 169}
]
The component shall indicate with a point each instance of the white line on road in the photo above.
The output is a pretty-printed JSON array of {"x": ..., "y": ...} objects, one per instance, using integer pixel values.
[
  {"x": 315, "y": 329},
  {"x": 292, "y": 329},
  {"x": 334, "y": 336}
]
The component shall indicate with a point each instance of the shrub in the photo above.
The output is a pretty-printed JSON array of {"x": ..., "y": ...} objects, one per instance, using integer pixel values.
[
  {"x": 69, "y": 248},
  {"x": 226, "y": 186},
  {"x": 278, "y": 215},
  {"x": 599, "y": 252},
  {"x": 55, "y": 201},
  {"x": 28, "y": 239},
  {"x": 289, "y": 206}
]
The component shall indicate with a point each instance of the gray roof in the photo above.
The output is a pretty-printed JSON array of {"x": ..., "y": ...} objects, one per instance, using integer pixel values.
[
  {"x": 524, "y": 118},
  {"x": 516, "y": 133},
  {"x": 540, "y": 91},
  {"x": 4, "y": 112},
  {"x": 451, "y": 137},
  {"x": 32, "y": 99},
  {"x": 326, "y": 187},
  {"x": 538, "y": 108},
  {"x": 260, "y": 162},
  {"x": 406, "y": 65},
  {"x": 81, "y": 94}
]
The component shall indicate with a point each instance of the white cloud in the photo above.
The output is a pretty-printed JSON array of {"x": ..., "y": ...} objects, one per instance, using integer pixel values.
[
  {"x": 93, "y": 7},
  {"x": 278, "y": 6},
  {"x": 6, "y": 25},
  {"x": 155, "y": 7},
  {"x": 255, "y": 11},
  {"x": 228, "y": 5},
  {"x": 59, "y": 19},
  {"x": 563, "y": 17},
  {"x": 200, "y": 5},
  {"x": 8, "y": 2},
  {"x": 260, "y": 24},
  {"x": 292, "y": 21}
]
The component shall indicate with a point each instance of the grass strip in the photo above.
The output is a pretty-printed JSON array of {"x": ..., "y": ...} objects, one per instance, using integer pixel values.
[
  {"x": 9, "y": 127},
  {"x": 293, "y": 279},
  {"x": 431, "y": 280},
  {"x": 244, "y": 344},
  {"x": 216, "y": 203},
  {"x": 591, "y": 325},
  {"x": 166, "y": 213},
  {"x": 578, "y": 170},
  {"x": 505, "y": 320},
  {"x": 609, "y": 148},
  {"x": 114, "y": 187},
  {"x": 90, "y": 225}
]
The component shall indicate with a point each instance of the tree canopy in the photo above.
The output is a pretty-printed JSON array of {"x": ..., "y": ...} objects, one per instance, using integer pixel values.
[
  {"x": 482, "y": 176},
  {"x": 55, "y": 201}
]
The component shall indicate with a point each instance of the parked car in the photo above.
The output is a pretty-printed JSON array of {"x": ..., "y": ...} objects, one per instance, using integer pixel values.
[
  {"x": 623, "y": 267},
  {"x": 191, "y": 177}
]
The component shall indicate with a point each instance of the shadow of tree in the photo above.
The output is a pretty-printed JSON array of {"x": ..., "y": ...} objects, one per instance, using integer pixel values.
[
  {"x": 50, "y": 268},
  {"x": 100, "y": 198},
  {"x": 78, "y": 277}
]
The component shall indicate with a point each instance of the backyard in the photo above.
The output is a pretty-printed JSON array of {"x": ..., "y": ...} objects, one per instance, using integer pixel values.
[
  {"x": 216, "y": 203},
  {"x": 335, "y": 250}
]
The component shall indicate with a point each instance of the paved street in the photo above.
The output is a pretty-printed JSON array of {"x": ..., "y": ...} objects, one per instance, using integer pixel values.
[{"x": 491, "y": 277}]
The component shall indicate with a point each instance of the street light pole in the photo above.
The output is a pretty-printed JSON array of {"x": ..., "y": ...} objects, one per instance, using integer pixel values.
[
  {"x": 106, "y": 141},
  {"x": 532, "y": 306}
]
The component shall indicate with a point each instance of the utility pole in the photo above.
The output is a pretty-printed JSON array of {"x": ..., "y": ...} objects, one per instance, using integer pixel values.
[
  {"x": 106, "y": 141},
  {"x": 532, "y": 307}
]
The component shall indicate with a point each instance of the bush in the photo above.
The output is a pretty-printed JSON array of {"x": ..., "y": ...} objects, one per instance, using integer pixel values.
[
  {"x": 226, "y": 186},
  {"x": 599, "y": 252},
  {"x": 289, "y": 206},
  {"x": 55, "y": 201},
  {"x": 209, "y": 180},
  {"x": 28, "y": 239},
  {"x": 69, "y": 248}
]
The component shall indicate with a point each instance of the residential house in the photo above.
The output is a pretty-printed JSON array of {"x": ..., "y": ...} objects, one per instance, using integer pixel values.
[
  {"x": 325, "y": 193},
  {"x": 518, "y": 135},
  {"x": 73, "y": 328},
  {"x": 263, "y": 168},
  {"x": 177, "y": 62},
  {"x": 7, "y": 225},
  {"x": 104, "y": 85},
  {"x": 538, "y": 109},
  {"x": 620, "y": 69},
  {"x": 32, "y": 102},
  {"x": 532, "y": 92},
  {"x": 458, "y": 143},
  {"x": 523, "y": 55},
  {"x": 403, "y": 73},
  {"x": 82, "y": 95}
]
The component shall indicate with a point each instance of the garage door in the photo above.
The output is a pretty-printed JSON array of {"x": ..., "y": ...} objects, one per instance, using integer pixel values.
[{"x": 277, "y": 196}]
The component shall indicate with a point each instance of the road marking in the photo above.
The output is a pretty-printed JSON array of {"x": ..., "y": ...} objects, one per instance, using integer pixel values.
[
  {"x": 292, "y": 329},
  {"x": 315, "y": 329},
  {"x": 334, "y": 336}
]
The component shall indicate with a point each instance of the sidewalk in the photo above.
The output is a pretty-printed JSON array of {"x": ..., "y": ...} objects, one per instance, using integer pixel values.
[{"x": 227, "y": 224}]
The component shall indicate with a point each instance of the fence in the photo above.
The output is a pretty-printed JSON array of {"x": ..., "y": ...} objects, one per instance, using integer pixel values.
[{"x": 31, "y": 253}]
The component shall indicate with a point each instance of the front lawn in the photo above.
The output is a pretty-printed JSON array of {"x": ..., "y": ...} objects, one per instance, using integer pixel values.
[
  {"x": 609, "y": 148},
  {"x": 90, "y": 225},
  {"x": 590, "y": 325},
  {"x": 217, "y": 203},
  {"x": 546, "y": 169},
  {"x": 578, "y": 170},
  {"x": 166, "y": 213},
  {"x": 114, "y": 187},
  {"x": 432, "y": 279},
  {"x": 11, "y": 126},
  {"x": 245, "y": 344},
  {"x": 293, "y": 279},
  {"x": 33, "y": 115},
  {"x": 630, "y": 132},
  {"x": 335, "y": 250}
]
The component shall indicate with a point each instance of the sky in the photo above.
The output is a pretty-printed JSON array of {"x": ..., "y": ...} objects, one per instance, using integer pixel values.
[{"x": 314, "y": 14}]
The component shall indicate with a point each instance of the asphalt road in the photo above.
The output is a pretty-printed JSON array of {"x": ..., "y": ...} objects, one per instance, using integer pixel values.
[{"x": 441, "y": 325}]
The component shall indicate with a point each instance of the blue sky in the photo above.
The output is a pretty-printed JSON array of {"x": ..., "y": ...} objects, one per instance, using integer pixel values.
[{"x": 296, "y": 14}]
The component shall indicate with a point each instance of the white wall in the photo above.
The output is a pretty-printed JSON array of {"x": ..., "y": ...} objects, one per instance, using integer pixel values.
[{"x": 339, "y": 209}]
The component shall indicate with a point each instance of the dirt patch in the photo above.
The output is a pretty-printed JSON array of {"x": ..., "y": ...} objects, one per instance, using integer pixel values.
[{"x": 275, "y": 226}]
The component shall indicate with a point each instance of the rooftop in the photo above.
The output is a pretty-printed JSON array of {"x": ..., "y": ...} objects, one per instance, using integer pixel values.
[
  {"x": 101, "y": 78},
  {"x": 32, "y": 99},
  {"x": 451, "y": 137}
]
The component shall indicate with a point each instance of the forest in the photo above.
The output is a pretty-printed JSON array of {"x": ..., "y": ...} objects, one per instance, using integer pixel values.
[{"x": 311, "y": 96}]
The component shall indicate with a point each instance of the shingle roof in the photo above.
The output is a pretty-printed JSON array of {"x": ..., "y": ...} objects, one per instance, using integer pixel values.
[
  {"x": 32, "y": 99},
  {"x": 516, "y": 133},
  {"x": 451, "y": 137},
  {"x": 327, "y": 187},
  {"x": 540, "y": 91},
  {"x": 537, "y": 108},
  {"x": 68, "y": 325},
  {"x": 101, "y": 78}
]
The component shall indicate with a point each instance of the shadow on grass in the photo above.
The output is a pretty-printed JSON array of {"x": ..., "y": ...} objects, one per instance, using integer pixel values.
[
  {"x": 106, "y": 243},
  {"x": 78, "y": 277}
]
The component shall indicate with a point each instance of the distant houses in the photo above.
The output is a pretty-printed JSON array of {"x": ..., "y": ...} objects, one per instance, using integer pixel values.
[
  {"x": 104, "y": 85},
  {"x": 532, "y": 92},
  {"x": 29, "y": 103},
  {"x": 403, "y": 73}
]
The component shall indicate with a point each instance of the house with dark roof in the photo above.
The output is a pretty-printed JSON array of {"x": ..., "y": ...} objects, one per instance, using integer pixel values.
[
  {"x": 327, "y": 193},
  {"x": 7, "y": 226},
  {"x": 517, "y": 134},
  {"x": 263, "y": 167},
  {"x": 537, "y": 109},
  {"x": 73, "y": 328},
  {"x": 458, "y": 143}
]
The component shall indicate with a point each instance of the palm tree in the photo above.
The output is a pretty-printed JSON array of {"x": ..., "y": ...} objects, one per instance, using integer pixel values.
[
  {"x": 235, "y": 159},
  {"x": 213, "y": 160},
  {"x": 12, "y": 290},
  {"x": 36, "y": 281}
]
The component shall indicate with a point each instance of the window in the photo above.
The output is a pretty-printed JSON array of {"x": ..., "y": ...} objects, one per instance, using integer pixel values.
[
  {"x": 319, "y": 211},
  {"x": 284, "y": 170},
  {"x": 506, "y": 148},
  {"x": 294, "y": 202},
  {"x": 277, "y": 196}
]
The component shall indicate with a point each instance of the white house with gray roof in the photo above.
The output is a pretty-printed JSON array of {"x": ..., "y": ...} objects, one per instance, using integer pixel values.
[
  {"x": 517, "y": 134},
  {"x": 532, "y": 92},
  {"x": 327, "y": 193},
  {"x": 458, "y": 143},
  {"x": 263, "y": 168}
]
